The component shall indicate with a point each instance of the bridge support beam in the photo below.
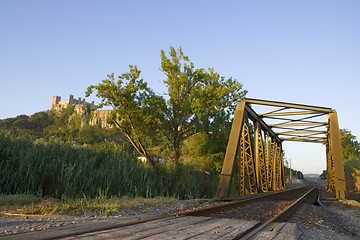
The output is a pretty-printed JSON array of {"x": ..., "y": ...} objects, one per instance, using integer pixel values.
[
  {"x": 227, "y": 169},
  {"x": 335, "y": 164}
]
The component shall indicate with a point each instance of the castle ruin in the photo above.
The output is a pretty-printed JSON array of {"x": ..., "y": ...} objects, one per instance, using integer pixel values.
[
  {"x": 99, "y": 117},
  {"x": 58, "y": 105}
]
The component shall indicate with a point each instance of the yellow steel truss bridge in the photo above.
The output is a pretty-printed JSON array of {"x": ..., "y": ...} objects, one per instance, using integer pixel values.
[{"x": 255, "y": 146}]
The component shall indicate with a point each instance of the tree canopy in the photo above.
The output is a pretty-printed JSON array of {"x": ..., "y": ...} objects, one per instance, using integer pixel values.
[
  {"x": 350, "y": 146},
  {"x": 135, "y": 108},
  {"x": 197, "y": 100},
  {"x": 351, "y": 155}
]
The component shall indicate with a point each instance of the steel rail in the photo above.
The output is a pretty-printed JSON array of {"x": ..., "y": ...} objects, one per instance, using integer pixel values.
[
  {"x": 238, "y": 203},
  {"x": 258, "y": 228}
]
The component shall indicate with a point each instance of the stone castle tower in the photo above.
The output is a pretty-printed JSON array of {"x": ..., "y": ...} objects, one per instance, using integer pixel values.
[{"x": 99, "y": 116}]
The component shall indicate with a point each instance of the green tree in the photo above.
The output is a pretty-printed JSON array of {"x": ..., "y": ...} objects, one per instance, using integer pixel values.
[
  {"x": 60, "y": 128},
  {"x": 351, "y": 155},
  {"x": 40, "y": 120},
  {"x": 134, "y": 109},
  {"x": 30, "y": 125},
  {"x": 350, "y": 146},
  {"x": 323, "y": 175},
  {"x": 204, "y": 151},
  {"x": 90, "y": 135},
  {"x": 199, "y": 100}
]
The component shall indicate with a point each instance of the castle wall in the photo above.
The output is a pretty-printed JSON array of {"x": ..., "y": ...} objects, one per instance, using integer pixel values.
[
  {"x": 81, "y": 107},
  {"x": 58, "y": 105},
  {"x": 101, "y": 117}
]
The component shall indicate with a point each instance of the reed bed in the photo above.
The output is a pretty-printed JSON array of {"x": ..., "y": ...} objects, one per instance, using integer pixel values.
[{"x": 65, "y": 171}]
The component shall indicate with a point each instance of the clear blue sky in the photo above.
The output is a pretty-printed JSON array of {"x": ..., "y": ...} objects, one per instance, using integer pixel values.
[{"x": 294, "y": 51}]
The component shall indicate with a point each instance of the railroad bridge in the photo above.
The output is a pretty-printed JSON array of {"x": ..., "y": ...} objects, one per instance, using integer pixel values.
[{"x": 255, "y": 147}]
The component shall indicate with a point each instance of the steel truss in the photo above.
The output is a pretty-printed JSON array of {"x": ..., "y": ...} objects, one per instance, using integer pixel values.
[{"x": 258, "y": 146}]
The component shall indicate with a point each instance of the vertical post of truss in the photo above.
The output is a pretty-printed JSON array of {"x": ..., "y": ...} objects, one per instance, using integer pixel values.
[
  {"x": 226, "y": 172},
  {"x": 260, "y": 159},
  {"x": 249, "y": 159},
  {"x": 337, "y": 156},
  {"x": 257, "y": 149},
  {"x": 267, "y": 159},
  {"x": 330, "y": 175},
  {"x": 241, "y": 162},
  {"x": 282, "y": 168},
  {"x": 276, "y": 168},
  {"x": 271, "y": 146}
]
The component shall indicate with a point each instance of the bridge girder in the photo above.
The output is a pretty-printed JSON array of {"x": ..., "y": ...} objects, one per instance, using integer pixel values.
[{"x": 260, "y": 156}]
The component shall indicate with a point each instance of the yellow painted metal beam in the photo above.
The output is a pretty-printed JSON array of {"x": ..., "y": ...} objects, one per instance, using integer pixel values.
[
  {"x": 304, "y": 138},
  {"x": 285, "y": 124},
  {"x": 225, "y": 176},
  {"x": 288, "y": 105},
  {"x": 301, "y": 132},
  {"x": 253, "y": 116},
  {"x": 289, "y": 113},
  {"x": 336, "y": 151}
]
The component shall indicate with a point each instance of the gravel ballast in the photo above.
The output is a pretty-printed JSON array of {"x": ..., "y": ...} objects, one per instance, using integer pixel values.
[{"x": 339, "y": 220}]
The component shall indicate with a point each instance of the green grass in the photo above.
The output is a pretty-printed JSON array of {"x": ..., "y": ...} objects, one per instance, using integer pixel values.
[
  {"x": 18, "y": 199},
  {"x": 64, "y": 171}
]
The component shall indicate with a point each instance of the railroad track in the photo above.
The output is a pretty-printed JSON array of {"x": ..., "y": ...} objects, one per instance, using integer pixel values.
[{"x": 240, "y": 219}]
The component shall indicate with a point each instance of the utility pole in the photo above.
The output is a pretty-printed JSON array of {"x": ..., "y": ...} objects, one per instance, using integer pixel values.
[{"x": 290, "y": 172}]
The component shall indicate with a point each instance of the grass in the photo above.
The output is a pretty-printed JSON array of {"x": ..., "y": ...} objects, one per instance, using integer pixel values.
[
  {"x": 101, "y": 206},
  {"x": 17, "y": 199},
  {"x": 65, "y": 171}
]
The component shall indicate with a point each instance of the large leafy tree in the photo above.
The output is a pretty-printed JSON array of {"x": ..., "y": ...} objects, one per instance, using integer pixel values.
[
  {"x": 134, "y": 111},
  {"x": 198, "y": 100}
]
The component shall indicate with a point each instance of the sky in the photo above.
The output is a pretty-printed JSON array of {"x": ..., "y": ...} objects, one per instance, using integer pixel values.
[{"x": 304, "y": 52}]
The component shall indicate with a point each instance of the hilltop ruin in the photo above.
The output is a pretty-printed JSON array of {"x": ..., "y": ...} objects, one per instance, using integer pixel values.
[{"x": 85, "y": 110}]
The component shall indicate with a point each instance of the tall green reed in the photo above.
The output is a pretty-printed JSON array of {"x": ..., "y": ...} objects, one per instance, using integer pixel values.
[{"x": 67, "y": 171}]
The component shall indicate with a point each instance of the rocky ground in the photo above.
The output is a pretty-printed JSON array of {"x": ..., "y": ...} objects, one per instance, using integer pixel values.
[
  {"x": 336, "y": 221},
  {"x": 257, "y": 211},
  {"x": 16, "y": 223},
  {"x": 10, "y": 224},
  {"x": 339, "y": 220}
]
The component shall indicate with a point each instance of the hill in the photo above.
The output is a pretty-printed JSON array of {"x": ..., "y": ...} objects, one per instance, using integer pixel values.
[{"x": 65, "y": 125}]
